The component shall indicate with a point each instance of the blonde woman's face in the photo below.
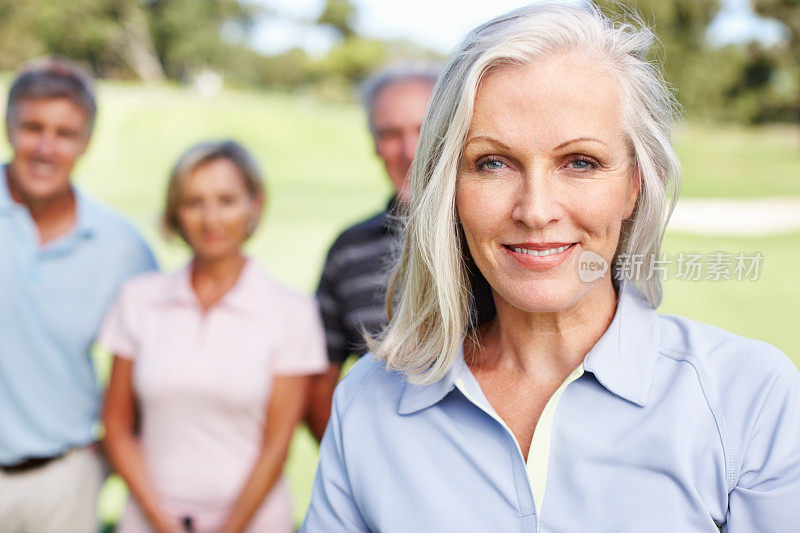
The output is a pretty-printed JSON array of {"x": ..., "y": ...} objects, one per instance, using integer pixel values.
[
  {"x": 215, "y": 209},
  {"x": 545, "y": 176}
]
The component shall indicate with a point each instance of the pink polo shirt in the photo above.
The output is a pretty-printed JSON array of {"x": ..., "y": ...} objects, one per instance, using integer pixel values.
[{"x": 203, "y": 380}]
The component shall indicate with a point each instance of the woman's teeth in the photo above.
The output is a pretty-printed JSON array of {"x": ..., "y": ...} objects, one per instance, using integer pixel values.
[{"x": 549, "y": 251}]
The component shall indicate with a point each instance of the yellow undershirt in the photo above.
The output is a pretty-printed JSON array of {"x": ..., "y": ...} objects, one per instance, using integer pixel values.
[{"x": 539, "y": 452}]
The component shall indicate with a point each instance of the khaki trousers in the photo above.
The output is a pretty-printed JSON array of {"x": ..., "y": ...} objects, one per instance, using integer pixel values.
[{"x": 60, "y": 496}]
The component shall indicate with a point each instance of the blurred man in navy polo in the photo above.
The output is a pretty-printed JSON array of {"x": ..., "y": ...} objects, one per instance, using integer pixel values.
[{"x": 64, "y": 256}]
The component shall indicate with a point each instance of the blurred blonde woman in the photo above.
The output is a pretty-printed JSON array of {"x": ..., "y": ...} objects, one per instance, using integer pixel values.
[
  {"x": 211, "y": 365},
  {"x": 574, "y": 406}
]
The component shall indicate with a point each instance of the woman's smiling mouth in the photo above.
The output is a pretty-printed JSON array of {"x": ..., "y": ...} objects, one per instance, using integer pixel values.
[
  {"x": 539, "y": 249},
  {"x": 539, "y": 256}
]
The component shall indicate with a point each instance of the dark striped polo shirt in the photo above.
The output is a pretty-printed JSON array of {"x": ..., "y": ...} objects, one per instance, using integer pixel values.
[{"x": 352, "y": 289}]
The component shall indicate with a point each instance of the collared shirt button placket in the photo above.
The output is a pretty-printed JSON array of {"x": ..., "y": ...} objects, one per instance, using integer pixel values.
[
  {"x": 529, "y": 521},
  {"x": 205, "y": 321}
]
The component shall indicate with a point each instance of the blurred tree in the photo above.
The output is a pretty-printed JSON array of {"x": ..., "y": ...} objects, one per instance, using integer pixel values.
[
  {"x": 145, "y": 38},
  {"x": 788, "y": 13},
  {"x": 135, "y": 44},
  {"x": 36, "y": 27},
  {"x": 747, "y": 83},
  {"x": 339, "y": 14},
  {"x": 187, "y": 34},
  {"x": 687, "y": 57},
  {"x": 354, "y": 57},
  {"x": 287, "y": 70},
  {"x": 177, "y": 39}
]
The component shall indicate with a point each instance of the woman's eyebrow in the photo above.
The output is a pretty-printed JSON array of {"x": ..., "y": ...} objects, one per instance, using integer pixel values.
[
  {"x": 579, "y": 139},
  {"x": 489, "y": 139}
]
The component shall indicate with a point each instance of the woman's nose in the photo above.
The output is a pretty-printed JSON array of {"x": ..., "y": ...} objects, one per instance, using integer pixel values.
[
  {"x": 210, "y": 214},
  {"x": 538, "y": 200}
]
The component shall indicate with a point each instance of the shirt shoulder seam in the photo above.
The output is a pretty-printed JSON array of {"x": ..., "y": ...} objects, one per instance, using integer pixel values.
[
  {"x": 712, "y": 401},
  {"x": 373, "y": 372}
]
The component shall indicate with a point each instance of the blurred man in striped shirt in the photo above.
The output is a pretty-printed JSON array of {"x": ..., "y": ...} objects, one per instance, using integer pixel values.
[{"x": 352, "y": 289}]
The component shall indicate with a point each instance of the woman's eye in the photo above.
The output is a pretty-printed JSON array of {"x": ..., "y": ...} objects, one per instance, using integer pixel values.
[
  {"x": 192, "y": 203},
  {"x": 490, "y": 164},
  {"x": 582, "y": 164}
]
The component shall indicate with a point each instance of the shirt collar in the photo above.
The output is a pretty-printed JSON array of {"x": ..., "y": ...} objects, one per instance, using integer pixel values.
[
  {"x": 241, "y": 296},
  {"x": 178, "y": 288},
  {"x": 418, "y": 397},
  {"x": 393, "y": 217},
  {"x": 6, "y": 202},
  {"x": 86, "y": 215},
  {"x": 623, "y": 359}
]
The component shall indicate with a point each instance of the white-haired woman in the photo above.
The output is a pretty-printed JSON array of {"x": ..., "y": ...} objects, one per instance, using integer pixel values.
[
  {"x": 212, "y": 364},
  {"x": 573, "y": 406}
]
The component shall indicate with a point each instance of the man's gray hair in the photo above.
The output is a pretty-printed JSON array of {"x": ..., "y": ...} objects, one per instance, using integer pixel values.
[
  {"x": 401, "y": 72},
  {"x": 53, "y": 77},
  {"x": 431, "y": 297}
]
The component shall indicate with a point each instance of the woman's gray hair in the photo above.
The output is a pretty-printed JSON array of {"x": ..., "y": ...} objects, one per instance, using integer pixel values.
[
  {"x": 197, "y": 156},
  {"x": 432, "y": 293}
]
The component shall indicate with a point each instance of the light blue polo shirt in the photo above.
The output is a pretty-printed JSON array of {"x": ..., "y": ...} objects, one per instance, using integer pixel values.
[
  {"x": 52, "y": 301},
  {"x": 668, "y": 426}
]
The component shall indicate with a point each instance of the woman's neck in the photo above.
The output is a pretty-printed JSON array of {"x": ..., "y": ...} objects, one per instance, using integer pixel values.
[
  {"x": 212, "y": 278},
  {"x": 544, "y": 344}
]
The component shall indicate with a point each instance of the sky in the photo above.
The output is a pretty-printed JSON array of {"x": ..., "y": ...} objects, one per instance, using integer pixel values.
[{"x": 440, "y": 24}]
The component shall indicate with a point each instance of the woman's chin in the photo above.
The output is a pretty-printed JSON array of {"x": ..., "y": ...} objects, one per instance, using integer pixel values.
[
  {"x": 212, "y": 254},
  {"x": 551, "y": 296}
]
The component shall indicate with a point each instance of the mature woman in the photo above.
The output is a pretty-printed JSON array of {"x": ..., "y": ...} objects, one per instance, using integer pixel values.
[
  {"x": 211, "y": 365},
  {"x": 573, "y": 406}
]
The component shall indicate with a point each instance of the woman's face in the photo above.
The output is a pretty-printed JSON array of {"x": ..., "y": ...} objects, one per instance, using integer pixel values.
[
  {"x": 545, "y": 176},
  {"x": 215, "y": 210}
]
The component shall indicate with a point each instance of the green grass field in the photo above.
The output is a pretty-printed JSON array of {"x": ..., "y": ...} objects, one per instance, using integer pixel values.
[
  {"x": 732, "y": 162},
  {"x": 322, "y": 175}
]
